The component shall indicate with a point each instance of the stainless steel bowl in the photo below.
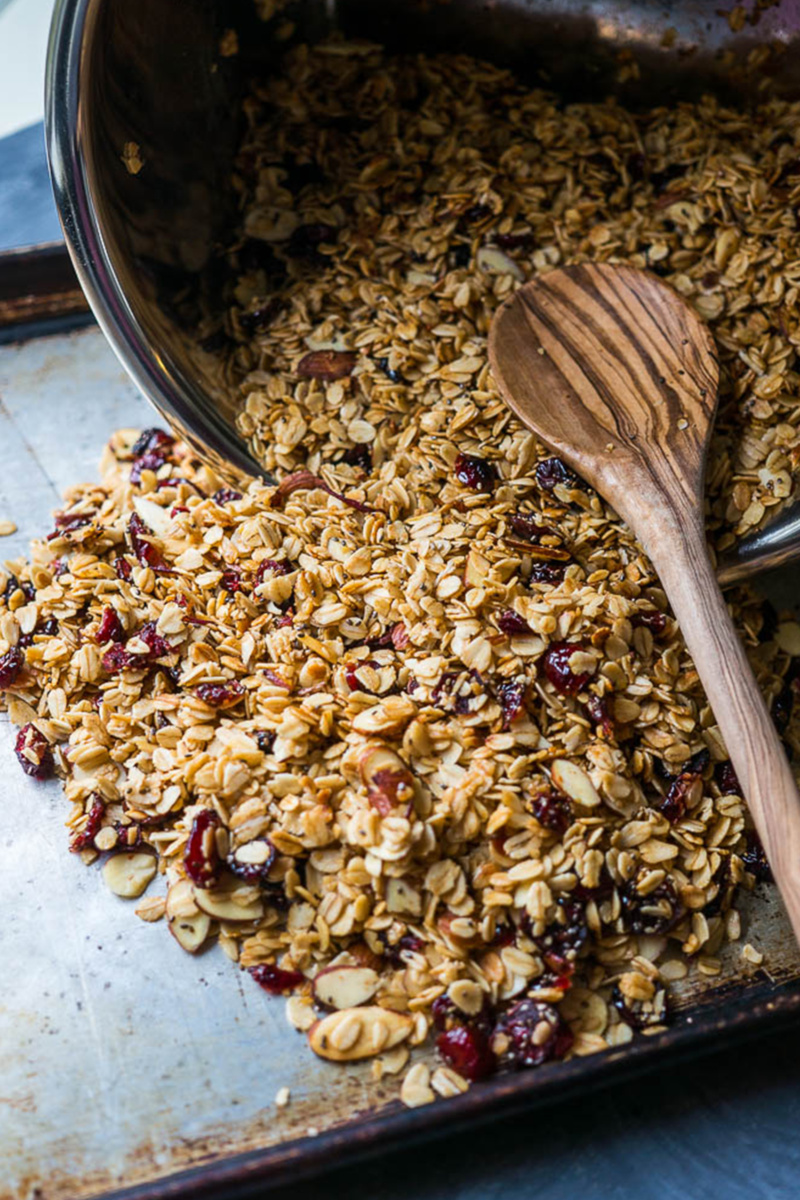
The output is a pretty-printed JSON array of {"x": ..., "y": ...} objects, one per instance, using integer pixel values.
[{"x": 149, "y": 72}]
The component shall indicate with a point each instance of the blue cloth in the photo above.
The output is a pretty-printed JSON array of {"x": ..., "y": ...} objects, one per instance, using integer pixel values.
[{"x": 27, "y": 209}]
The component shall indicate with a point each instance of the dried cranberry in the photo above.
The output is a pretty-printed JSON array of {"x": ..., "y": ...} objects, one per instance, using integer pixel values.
[
  {"x": 514, "y": 241},
  {"x": 359, "y": 456},
  {"x": 268, "y": 568},
  {"x": 526, "y": 527},
  {"x": 110, "y": 628},
  {"x": 390, "y": 373},
  {"x": 657, "y": 912},
  {"x": 513, "y": 624},
  {"x": 302, "y": 481},
  {"x": 144, "y": 550},
  {"x": 474, "y": 215},
  {"x": 122, "y": 568},
  {"x": 395, "y": 950},
  {"x": 557, "y": 668},
  {"x": 754, "y": 858},
  {"x": 118, "y": 659},
  {"x": 547, "y": 572},
  {"x": 48, "y": 628},
  {"x": 11, "y": 663},
  {"x": 552, "y": 811},
  {"x": 85, "y": 839},
  {"x": 201, "y": 857},
  {"x": 727, "y": 780},
  {"x": 536, "y": 1034},
  {"x": 673, "y": 806},
  {"x": 551, "y": 472},
  {"x": 565, "y": 937},
  {"x": 633, "y": 1013},
  {"x": 226, "y": 496},
  {"x": 150, "y": 440},
  {"x": 232, "y": 580},
  {"x": 476, "y": 473},
  {"x": 275, "y": 679},
  {"x": 13, "y": 585},
  {"x": 33, "y": 752},
  {"x": 275, "y": 980},
  {"x": 599, "y": 711},
  {"x": 398, "y": 636},
  {"x": 265, "y": 740},
  {"x": 511, "y": 697},
  {"x": 158, "y": 646},
  {"x": 59, "y": 567},
  {"x": 151, "y": 461},
  {"x": 454, "y": 692},
  {"x": 220, "y": 695},
  {"x": 67, "y": 523},
  {"x": 466, "y": 1049},
  {"x": 655, "y": 621},
  {"x": 261, "y": 317},
  {"x": 253, "y": 872}
]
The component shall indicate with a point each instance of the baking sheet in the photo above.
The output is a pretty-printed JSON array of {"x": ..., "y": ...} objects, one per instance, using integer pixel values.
[{"x": 124, "y": 1060}]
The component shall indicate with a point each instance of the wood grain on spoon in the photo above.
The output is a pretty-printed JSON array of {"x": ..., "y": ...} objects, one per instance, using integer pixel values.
[{"x": 616, "y": 373}]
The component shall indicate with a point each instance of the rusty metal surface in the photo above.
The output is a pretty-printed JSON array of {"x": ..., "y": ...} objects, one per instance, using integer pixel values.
[{"x": 122, "y": 1059}]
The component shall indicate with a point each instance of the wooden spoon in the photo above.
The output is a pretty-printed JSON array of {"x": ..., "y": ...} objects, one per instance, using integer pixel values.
[{"x": 616, "y": 373}]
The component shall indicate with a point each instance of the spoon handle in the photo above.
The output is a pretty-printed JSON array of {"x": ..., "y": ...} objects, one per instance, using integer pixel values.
[{"x": 678, "y": 552}]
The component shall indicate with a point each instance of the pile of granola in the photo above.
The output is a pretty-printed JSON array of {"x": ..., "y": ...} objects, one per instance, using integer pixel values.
[{"x": 412, "y": 731}]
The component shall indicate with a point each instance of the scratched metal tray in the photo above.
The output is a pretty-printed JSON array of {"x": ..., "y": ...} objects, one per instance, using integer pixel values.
[{"x": 126, "y": 1065}]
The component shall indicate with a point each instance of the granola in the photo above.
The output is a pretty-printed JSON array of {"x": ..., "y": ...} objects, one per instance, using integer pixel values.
[{"x": 412, "y": 732}]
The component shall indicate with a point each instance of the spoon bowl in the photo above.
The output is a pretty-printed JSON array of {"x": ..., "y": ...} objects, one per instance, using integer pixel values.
[{"x": 616, "y": 373}]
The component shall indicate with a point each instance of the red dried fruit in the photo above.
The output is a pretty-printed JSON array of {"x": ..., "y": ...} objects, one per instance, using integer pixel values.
[
  {"x": 476, "y": 473},
  {"x": 144, "y": 550},
  {"x": 11, "y": 663},
  {"x": 754, "y": 858},
  {"x": 675, "y": 803},
  {"x": 33, "y": 753},
  {"x": 276, "y": 980},
  {"x": 599, "y": 711},
  {"x": 110, "y": 628},
  {"x": 359, "y": 456},
  {"x": 514, "y": 241},
  {"x": 268, "y": 568},
  {"x": 565, "y": 937},
  {"x": 466, "y": 1049},
  {"x": 265, "y": 740},
  {"x": 653, "y": 620},
  {"x": 511, "y": 697},
  {"x": 201, "y": 857},
  {"x": 122, "y": 568},
  {"x": 513, "y": 624},
  {"x": 158, "y": 646},
  {"x": 525, "y": 1025},
  {"x": 150, "y": 440},
  {"x": 252, "y": 872},
  {"x": 557, "y": 668},
  {"x": 85, "y": 839},
  {"x": 13, "y": 585},
  {"x": 475, "y": 214},
  {"x": 551, "y": 472},
  {"x": 394, "y": 951},
  {"x": 232, "y": 580},
  {"x": 220, "y": 695},
  {"x": 634, "y": 1014},
  {"x": 305, "y": 481},
  {"x": 286, "y": 619},
  {"x": 657, "y": 912},
  {"x": 547, "y": 572},
  {"x": 275, "y": 679},
  {"x": 226, "y": 496},
  {"x": 152, "y": 460},
  {"x": 526, "y": 527},
  {"x": 67, "y": 523},
  {"x": 118, "y": 659},
  {"x": 327, "y": 365},
  {"x": 553, "y": 811},
  {"x": 728, "y": 780}
]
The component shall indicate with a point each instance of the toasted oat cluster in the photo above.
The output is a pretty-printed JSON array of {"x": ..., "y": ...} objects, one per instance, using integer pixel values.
[{"x": 412, "y": 731}]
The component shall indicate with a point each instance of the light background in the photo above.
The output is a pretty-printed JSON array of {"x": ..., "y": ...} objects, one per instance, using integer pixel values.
[{"x": 24, "y": 26}]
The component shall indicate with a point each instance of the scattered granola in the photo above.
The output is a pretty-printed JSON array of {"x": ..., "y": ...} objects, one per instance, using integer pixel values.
[{"x": 412, "y": 732}]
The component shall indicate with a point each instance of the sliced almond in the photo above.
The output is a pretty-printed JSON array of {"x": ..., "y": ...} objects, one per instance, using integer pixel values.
[
  {"x": 230, "y": 902},
  {"x": 128, "y": 875},
  {"x": 573, "y": 781},
  {"x": 154, "y": 516},
  {"x": 187, "y": 924},
  {"x": 492, "y": 261},
  {"x": 345, "y": 987},
  {"x": 356, "y": 1033}
]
